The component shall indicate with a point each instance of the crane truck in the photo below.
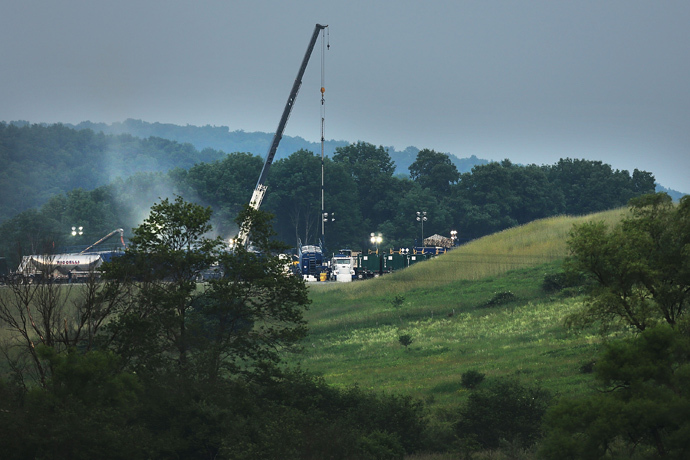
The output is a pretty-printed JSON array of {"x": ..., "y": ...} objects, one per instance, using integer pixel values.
[{"x": 260, "y": 189}]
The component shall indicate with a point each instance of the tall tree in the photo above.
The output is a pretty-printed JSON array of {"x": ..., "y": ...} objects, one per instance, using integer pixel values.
[
  {"x": 591, "y": 186},
  {"x": 295, "y": 196},
  {"x": 640, "y": 269},
  {"x": 434, "y": 170},
  {"x": 241, "y": 319},
  {"x": 167, "y": 253},
  {"x": 372, "y": 170},
  {"x": 500, "y": 195}
]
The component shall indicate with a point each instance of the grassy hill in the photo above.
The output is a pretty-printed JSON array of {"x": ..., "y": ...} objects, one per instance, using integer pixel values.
[{"x": 480, "y": 307}]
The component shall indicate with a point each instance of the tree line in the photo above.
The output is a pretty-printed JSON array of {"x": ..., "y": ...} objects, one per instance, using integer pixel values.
[
  {"x": 41, "y": 160},
  {"x": 362, "y": 194}
]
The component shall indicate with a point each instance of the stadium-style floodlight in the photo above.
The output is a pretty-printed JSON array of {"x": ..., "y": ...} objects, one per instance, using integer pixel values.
[
  {"x": 77, "y": 231},
  {"x": 376, "y": 239},
  {"x": 421, "y": 217},
  {"x": 453, "y": 236}
]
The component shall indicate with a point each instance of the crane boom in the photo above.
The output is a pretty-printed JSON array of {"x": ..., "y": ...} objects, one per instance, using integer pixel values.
[
  {"x": 260, "y": 189},
  {"x": 119, "y": 230}
]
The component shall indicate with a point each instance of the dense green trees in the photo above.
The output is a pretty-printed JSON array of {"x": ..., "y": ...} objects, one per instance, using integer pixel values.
[
  {"x": 500, "y": 195},
  {"x": 639, "y": 281},
  {"x": 504, "y": 411},
  {"x": 640, "y": 269},
  {"x": 184, "y": 370},
  {"x": 642, "y": 408},
  {"x": 435, "y": 171},
  {"x": 224, "y": 184},
  {"x": 372, "y": 170},
  {"x": 591, "y": 186},
  {"x": 39, "y": 162},
  {"x": 249, "y": 312},
  {"x": 359, "y": 187}
]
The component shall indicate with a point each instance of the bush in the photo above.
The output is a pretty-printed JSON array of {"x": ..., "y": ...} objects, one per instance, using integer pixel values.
[
  {"x": 405, "y": 340},
  {"x": 500, "y": 298},
  {"x": 588, "y": 367},
  {"x": 398, "y": 301},
  {"x": 380, "y": 445},
  {"x": 554, "y": 282},
  {"x": 506, "y": 411},
  {"x": 471, "y": 379},
  {"x": 562, "y": 281}
]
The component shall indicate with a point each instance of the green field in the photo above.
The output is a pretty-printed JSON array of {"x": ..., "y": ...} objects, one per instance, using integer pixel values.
[{"x": 354, "y": 327}]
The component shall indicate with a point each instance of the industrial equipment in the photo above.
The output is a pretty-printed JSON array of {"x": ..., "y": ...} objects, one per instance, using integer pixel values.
[{"x": 260, "y": 189}]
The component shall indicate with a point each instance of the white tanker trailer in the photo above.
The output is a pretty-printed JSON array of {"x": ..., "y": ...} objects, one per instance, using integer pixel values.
[
  {"x": 60, "y": 265},
  {"x": 67, "y": 267}
]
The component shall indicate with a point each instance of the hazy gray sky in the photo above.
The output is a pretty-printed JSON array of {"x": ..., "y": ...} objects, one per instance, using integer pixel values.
[{"x": 532, "y": 81}]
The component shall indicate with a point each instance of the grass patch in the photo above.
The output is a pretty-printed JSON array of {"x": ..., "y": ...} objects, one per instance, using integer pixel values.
[{"x": 456, "y": 311}]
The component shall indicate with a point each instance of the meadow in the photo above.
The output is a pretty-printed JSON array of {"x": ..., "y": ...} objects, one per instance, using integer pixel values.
[{"x": 480, "y": 307}]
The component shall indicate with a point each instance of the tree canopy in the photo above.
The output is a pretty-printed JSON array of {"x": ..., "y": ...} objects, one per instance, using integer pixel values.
[
  {"x": 640, "y": 269},
  {"x": 361, "y": 190}
]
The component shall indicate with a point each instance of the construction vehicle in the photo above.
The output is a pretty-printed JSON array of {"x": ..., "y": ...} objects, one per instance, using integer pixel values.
[
  {"x": 68, "y": 267},
  {"x": 260, "y": 189}
]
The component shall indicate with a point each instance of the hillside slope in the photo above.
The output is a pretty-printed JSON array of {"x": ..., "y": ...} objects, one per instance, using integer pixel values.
[{"x": 446, "y": 310}]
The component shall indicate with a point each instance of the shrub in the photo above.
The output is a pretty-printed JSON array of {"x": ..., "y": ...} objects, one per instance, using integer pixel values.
[
  {"x": 506, "y": 411},
  {"x": 500, "y": 298},
  {"x": 380, "y": 445},
  {"x": 588, "y": 367},
  {"x": 398, "y": 301},
  {"x": 554, "y": 282},
  {"x": 562, "y": 281},
  {"x": 471, "y": 379},
  {"x": 405, "y": 340}
]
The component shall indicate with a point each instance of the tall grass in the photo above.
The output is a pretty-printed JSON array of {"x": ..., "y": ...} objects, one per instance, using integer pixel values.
[
  {"x": 528, "y": 245},
  {"x": 354, "y": 327}
]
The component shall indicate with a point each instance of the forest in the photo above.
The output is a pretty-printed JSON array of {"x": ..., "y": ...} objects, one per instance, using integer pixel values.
[
  {"x": 142, "y": 363},
  {"x": 57, "y": 177}
]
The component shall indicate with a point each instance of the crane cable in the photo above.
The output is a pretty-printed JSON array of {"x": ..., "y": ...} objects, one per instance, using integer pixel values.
[{"x": 323, "y": 119}]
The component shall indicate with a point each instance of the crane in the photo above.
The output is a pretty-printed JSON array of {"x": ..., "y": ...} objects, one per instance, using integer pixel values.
[
  {"x": 119, "y": 230},
  {"x": 260, "y": 189}
]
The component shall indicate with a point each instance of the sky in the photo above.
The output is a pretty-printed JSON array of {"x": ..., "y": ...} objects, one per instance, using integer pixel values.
[{"x": 532, "y": 81}]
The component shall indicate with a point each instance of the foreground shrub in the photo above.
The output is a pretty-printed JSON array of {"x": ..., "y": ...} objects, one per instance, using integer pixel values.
[
  {"x": 471, "y": 379},
  {"x": 642, "y": 409},
  {"x": 500, "y": 298},
  {"x": 505, "y": 410}
]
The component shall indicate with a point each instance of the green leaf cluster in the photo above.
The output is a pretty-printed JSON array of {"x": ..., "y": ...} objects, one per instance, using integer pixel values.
[
  {"x": 642, "y": 409},
  {"x": 640, "y": 269}
]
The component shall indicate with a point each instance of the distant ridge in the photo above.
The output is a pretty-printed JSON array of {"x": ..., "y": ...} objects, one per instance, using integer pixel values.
[{"x": 256, "y": 143}]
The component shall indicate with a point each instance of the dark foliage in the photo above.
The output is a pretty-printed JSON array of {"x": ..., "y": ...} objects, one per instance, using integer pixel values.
[
  {"x": 190, "y": 372},
  {"x": 639, "y": 270},
  {"x": 405, "y": 340},
  {"x": 471, "y": 379},
  {"x": 642, "y": 408},
  {"x": 39, "y": 162},
  {"x": 500, "y": 298},
  {"x": 102, "y": 187},
  {"x": 505, "y": 410},
  {"x": 559, "y": 281}
]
